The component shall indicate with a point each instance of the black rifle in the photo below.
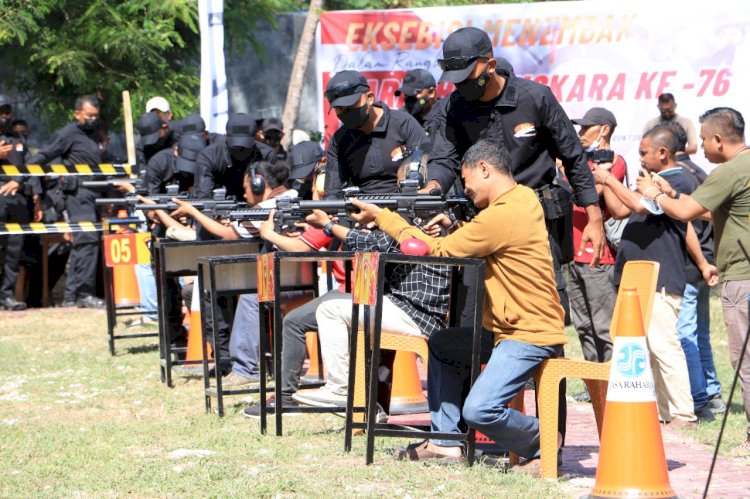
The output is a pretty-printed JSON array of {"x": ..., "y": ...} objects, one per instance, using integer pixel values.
[
  {"x": 414, "y": 207},
  {"x": 211, "y": 207}
]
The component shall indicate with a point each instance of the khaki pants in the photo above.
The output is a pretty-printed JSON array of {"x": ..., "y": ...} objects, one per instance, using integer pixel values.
[
  {"x": 668, "y": 363},
  {"x": 734, "y": 302}
]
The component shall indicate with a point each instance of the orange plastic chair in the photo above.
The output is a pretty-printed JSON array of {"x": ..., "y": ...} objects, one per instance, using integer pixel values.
[{"x": 638, "y": 274}]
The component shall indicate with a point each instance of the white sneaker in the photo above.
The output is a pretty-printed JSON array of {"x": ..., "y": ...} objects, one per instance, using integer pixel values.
[{"x": 322, "y": 397}]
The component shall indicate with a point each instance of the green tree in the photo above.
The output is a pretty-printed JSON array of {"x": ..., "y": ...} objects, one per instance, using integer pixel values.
[{"x": 55, "y": 50}]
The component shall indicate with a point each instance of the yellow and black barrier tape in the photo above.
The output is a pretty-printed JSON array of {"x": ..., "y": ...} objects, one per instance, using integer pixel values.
[
  {"x": 63, "y": 227},
  {"x": 59, "y": 169}
]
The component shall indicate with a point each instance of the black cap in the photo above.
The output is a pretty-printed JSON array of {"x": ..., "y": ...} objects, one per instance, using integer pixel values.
[
  {"x": 597, "y": 116},
  {"x": 192, "y": 123},
  {"x": 303, "y": 157},
  {"x": 460, "y": 52},
  {"x": 345, "y": 88},
  {"x": 241, "y": 130},
  {"x": 187, "y": 152},
  {"x": 414, "y": 81},
  {"x": 5, "y": 101},
  {"x": 272, "y": 124},
  {"x": 149, "y": 126}
]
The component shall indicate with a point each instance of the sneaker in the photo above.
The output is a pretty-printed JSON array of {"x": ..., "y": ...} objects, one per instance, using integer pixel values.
[
  {"x": 583, "y": 396},
  {"x": 233, "y": 380},
  {"x": 10, "y": 303},
  {"x": 682, "y": 424},
  {"x": 717, "y": 405},
  {"x": 253, "y": 411},
  {"x": 742, "y": 450},
  {"x": 322, "y": 397},
  {"x": 533, "y": 466},
  {"x": 90, "y": 302},
  {"x": 704, "y": 414}
]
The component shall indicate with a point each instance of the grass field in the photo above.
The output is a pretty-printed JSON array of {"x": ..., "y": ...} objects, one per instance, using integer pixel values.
[{"x": 75, "y": 421}]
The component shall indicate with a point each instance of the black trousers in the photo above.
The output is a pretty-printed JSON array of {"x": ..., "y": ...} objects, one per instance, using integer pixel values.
[
  {"x": 84, "y": 252},
  {"x": 12, "y": 209}
]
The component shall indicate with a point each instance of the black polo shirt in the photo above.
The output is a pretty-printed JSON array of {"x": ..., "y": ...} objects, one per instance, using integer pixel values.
[
  {"x": 159, "y": 171},
  {"x": 217, "y": 168},
  {"x": 371, "y": 161},
  {"x": 528, "y": 120},
  {"x": 658, "y": 238}
]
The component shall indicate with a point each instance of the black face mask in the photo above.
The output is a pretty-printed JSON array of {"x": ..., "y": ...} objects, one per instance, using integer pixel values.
[
  {"x": 472, "y": 90},
  {"x": 90, "y": 125},
  {"x": 5, "y": 124},
  {"x": 355, "y": 117},
  {"x": 414, "y": 105},
  {"x": 273, "y": 139},
  {"x": 303, "y": 188},
  {"x": 240, "y": 153}
]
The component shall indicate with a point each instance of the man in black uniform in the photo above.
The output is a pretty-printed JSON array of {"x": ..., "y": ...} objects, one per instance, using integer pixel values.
[
  {"x": 224, "y": 163},
  {"x": 14, "y": 206},
  {"x": 79, "y": 143},
  {"x": 273, "y": 132},
  {"x": 155, "y": 136},
  {"x": 420, "y": 96},
  {"x": 175, "y": 165},
  {"x": 367, "y": 150},
  {"x": 491, "y": 102}
]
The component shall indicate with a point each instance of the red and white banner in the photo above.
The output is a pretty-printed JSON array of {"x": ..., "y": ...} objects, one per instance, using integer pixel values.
[{"x": 618, "y": 55}]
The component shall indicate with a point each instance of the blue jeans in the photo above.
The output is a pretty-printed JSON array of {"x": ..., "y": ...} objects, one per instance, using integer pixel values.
[
  {"x": 245, "y": 339},
  {"x": 486, "y": 409},
  {"x": 693, "y": 324},
  {"x": 144, "y": 274}
]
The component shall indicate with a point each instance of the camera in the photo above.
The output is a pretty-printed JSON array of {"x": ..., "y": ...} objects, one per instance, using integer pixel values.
[{"x": 600, "y": 156}]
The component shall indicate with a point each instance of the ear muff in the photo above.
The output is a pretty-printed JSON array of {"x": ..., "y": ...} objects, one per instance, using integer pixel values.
[{"x": 257, "y": 183}]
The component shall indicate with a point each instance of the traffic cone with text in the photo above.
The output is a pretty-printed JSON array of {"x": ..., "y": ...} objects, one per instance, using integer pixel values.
[
  {"x": 631, "y": 455},
  {"x": 125, "y": 281}
]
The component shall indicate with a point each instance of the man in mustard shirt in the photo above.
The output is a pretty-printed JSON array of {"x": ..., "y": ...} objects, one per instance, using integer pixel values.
[{"x": 521, "y": 309}]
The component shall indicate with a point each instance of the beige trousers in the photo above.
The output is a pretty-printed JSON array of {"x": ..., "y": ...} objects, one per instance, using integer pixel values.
[{"x": 668, "y": 362}]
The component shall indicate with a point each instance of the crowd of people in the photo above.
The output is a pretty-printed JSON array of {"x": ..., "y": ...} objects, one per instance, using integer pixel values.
[{"x": 553, "y": 202}]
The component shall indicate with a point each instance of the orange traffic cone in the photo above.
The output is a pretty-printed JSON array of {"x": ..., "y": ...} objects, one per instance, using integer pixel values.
[
  {"x": 126, "y": 286},
  {"x": 315, "y": 370},
  {"x": 195, "y": 334},
  {"x": 406, "y": 394},
  {"x": 631, "y": 456}
]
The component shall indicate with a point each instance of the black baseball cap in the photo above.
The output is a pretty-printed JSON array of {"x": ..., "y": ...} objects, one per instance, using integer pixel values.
[
  {"x": 597, "y": 116},
  {"x": 187, "y": 152},
  {"x": 241, "y": 130},
  {"x": 303, "y": 157},
  {"x": 149, "y": 126},
  {"x": 414, "y": 81},
  {"x": 461, "y": 50},
  {"x": 5, "y": 101},
  {"x": 272, "y": 124},
  {"x": 192, "y": 123},
  {"x": 345, "y": 88}
]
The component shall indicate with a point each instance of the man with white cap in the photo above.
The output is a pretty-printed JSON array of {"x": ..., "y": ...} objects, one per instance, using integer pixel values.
[{"x": 160, "y": 106}]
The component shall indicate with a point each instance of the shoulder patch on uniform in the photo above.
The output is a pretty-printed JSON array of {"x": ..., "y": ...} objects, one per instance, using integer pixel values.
[{"x": 524, "y": 130}]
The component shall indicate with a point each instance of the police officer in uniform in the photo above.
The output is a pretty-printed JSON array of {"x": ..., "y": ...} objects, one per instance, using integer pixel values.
[
  {"x": 155, "y": 136},
  {"x": 175, "y": 165},
  {"x": 77, "y": 143},
  {"x": 273, "y": 132},
  {"x": 491, "y": 102},
  {"x": 224, "y": 163},
  {"x": 14, "y": 205},
  {"x": 367, "y": 150},
  {"x": 420, "y": 97}
]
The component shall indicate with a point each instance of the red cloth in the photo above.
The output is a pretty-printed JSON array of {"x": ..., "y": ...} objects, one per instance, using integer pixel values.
[
  {"x": 317, "y": 239},
  {"x": 580, "y": 220}
]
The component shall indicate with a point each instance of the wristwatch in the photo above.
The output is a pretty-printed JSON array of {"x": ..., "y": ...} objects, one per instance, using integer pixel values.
[{"x": 328, "y": 229}]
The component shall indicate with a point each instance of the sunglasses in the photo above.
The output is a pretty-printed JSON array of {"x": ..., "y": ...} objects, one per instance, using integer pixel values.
[
  {"x": 457, "y": 63},
  {"x": 343, "y": 90}
]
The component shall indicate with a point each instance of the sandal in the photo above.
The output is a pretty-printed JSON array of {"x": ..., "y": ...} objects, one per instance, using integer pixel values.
[{"x": 421, "y": 452}]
